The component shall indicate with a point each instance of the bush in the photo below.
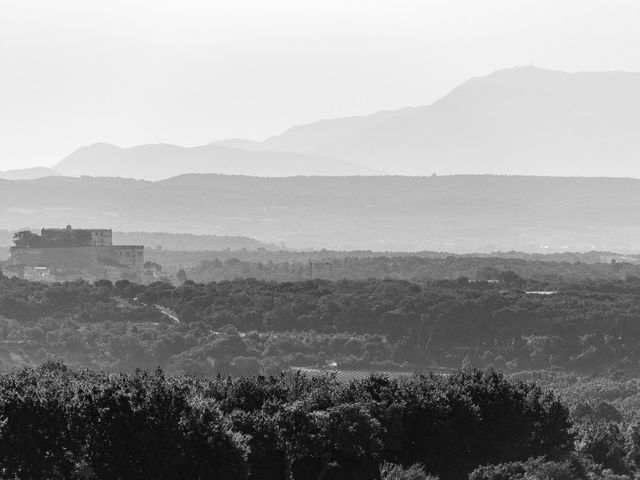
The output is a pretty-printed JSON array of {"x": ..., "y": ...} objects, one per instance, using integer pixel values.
[{"x": 390, "y": 471}]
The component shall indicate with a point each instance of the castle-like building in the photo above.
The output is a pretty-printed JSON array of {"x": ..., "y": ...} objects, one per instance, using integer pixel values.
[
  {"x": 65, "y": 254},
  {"x": 101, "y": 237}
]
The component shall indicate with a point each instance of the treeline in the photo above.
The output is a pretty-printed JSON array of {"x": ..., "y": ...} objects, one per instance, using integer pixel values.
[
  {"x": 408, "y": 267},
  {"x": 178, "y": 256},
  {"x": 60, "y": 423},
  {"x": 251, "y": 327}
]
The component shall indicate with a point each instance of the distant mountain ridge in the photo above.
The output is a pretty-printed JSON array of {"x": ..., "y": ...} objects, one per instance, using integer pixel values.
[
  {"x": 27, "y": 173},
  {"x": 517, "y": 121},
  {"x": 160, "y": 161}
]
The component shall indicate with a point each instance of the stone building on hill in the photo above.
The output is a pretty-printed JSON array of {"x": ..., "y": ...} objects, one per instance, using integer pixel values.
[
  {"x": 88, "y": 237},
  {"x": 66, "y": 254}
]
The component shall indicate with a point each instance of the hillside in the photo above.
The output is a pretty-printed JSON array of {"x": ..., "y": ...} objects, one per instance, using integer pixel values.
[
  {"x": 160, "y": 161},
  {"x": 27, "y": 173},
  {"x": 449, "y": 213},
  {"x": 304, "y": 138}
]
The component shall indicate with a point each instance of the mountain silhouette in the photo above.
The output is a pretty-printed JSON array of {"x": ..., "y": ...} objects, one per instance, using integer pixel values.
[
  {"x": 517, "y": 121},
  {"x": 27, "y": 173},
  {"x": 524, "y": 120},
  {"x": 305, "y": 138},
  {"x": 159, "y": 161}
]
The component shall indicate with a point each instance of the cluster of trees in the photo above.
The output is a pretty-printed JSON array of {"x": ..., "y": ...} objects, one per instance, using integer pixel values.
[
  {"x": 605, "y": 425},
  {"x": 31, "y": 301},
  {"x": 612, "y": 387},
  {"x": 61, "y": 423},
  {"x": 606, "y": 445},
  {"x": 389, "y": 324},
  {"x": 576, "y": 467}
]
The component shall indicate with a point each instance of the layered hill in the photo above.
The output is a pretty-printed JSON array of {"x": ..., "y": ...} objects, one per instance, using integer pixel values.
[
  {"x": 160, "y": 161},
  {"x": 464, "y": 213},
  {"x": 27, "y": 173}
]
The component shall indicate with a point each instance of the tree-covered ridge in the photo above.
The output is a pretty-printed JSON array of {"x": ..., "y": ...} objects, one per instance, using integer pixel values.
[
  {"x": 251, "y": 327},
  {"x": 99, "y": 426}
]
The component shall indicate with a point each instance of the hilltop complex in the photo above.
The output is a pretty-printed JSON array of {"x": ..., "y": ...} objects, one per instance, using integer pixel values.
[{"x": 66, "y": 254}]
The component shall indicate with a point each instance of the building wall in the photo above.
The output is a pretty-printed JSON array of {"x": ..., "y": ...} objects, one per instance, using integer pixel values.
[
  {"x": 58, "y": 257},
  {"x": 101, "y": 238},
  {"x": 98, "y": 237},
  {"x": 131, "y": 256},
  {"x": 82, "y": 261},
  {"x": 38, "y": 274}
]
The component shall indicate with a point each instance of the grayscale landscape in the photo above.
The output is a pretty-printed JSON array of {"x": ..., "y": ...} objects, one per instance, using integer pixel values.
[{"x": 320, "y": 240}]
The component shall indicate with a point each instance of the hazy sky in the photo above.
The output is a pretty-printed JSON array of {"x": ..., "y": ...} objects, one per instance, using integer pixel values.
[{"x": 74, "y": 72}]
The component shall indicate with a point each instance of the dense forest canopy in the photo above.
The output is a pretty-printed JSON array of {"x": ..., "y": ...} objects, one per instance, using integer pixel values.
[
  {"x": 93, "y": 425},
  {"x": 250, "y": 326},
  {"x": 578, "y": 337},
  {"x": 470, "y": 424}
]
